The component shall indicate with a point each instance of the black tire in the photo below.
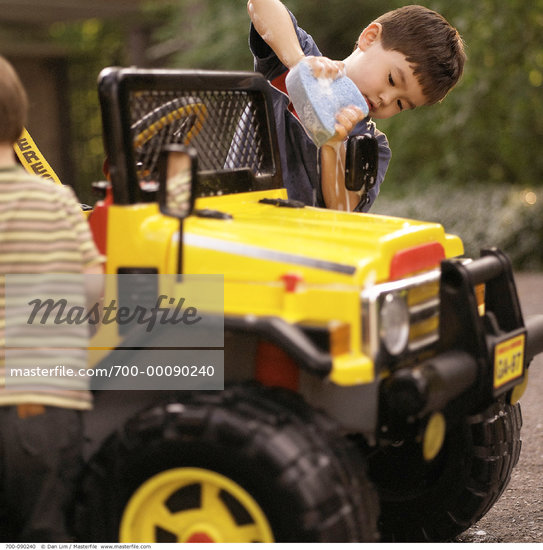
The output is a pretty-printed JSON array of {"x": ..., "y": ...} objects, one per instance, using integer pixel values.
[
  {"x": 308, "y": 480},
  {"x": 436, "y": 501}
]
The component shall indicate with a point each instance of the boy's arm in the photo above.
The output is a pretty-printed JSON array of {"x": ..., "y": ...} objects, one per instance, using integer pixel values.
[
  {"x": 272, "y": 21},
  {"x": 336, "y": 196},
  {"x": 334, "y": 192}
]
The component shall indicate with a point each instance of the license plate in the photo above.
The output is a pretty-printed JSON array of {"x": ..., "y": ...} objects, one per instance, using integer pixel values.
[{"x": 509, "y": 360}]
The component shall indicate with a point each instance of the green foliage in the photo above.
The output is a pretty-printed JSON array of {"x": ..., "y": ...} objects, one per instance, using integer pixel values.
[
  {"x": 207, "y": 34},
  {"x": 509, "y": 217}
]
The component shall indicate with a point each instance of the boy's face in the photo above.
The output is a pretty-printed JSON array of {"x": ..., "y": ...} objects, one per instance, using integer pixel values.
[{"x": 384, "y": 77}]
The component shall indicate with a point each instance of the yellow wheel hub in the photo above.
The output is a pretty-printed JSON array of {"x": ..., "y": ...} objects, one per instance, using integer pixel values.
[
  {"x": 193, "y": 505},
  {"x": 434, "y": 436}
]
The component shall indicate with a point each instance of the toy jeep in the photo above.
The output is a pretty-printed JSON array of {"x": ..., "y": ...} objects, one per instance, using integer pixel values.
[{"x": 371, "y": 374}]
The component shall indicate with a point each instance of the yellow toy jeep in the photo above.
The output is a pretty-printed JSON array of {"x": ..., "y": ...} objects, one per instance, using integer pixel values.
[{"x": 371, "y": 374}]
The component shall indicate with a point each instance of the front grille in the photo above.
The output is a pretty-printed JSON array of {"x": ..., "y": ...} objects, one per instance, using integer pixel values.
[
  {"x": 421, "y": 293},
  {"x": 423, "y": 302}
]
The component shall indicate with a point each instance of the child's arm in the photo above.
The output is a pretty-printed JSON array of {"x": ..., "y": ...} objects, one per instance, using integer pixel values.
[
  {"x": 334, "y": 192},
  {"x": 272, "y": 22}
]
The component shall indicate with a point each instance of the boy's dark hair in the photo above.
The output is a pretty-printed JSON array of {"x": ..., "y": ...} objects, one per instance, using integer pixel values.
[
  {"x": 430, "y": 44},
  {"x": 13, "y": 104}
]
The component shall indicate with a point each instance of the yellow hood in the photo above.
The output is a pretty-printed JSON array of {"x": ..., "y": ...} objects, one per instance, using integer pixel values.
[{"x": 323, "y": 245}]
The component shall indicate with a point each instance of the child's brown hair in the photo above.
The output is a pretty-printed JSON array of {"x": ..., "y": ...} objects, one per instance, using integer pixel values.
[
  {"x": 13, "y": 104},
  {"x": 430, "y": 44}
]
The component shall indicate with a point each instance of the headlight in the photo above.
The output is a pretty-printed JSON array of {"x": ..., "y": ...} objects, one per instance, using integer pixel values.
[{"x": 394, "y": 323}]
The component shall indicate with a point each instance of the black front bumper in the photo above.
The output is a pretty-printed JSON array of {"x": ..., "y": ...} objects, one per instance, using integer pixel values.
[{"x": 483, "y": 351}]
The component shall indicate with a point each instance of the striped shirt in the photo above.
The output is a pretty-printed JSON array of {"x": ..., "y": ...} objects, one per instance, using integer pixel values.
[{"x": 42, "y": 233}]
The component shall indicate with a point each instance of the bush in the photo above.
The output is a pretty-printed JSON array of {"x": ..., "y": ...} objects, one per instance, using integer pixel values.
[{"x": 509, "y": 218}]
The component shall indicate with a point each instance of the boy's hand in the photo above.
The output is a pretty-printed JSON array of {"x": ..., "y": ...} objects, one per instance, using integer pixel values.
[
  {"x": 346, "y": 120},
  {"x": 323, "y": 67},
  {"x": 348, "y": 117}
]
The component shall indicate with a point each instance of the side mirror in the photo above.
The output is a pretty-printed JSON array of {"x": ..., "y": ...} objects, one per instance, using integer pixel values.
[
  {"x": 361, "y": 162},
  {"x": 177, "y": 168}
]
